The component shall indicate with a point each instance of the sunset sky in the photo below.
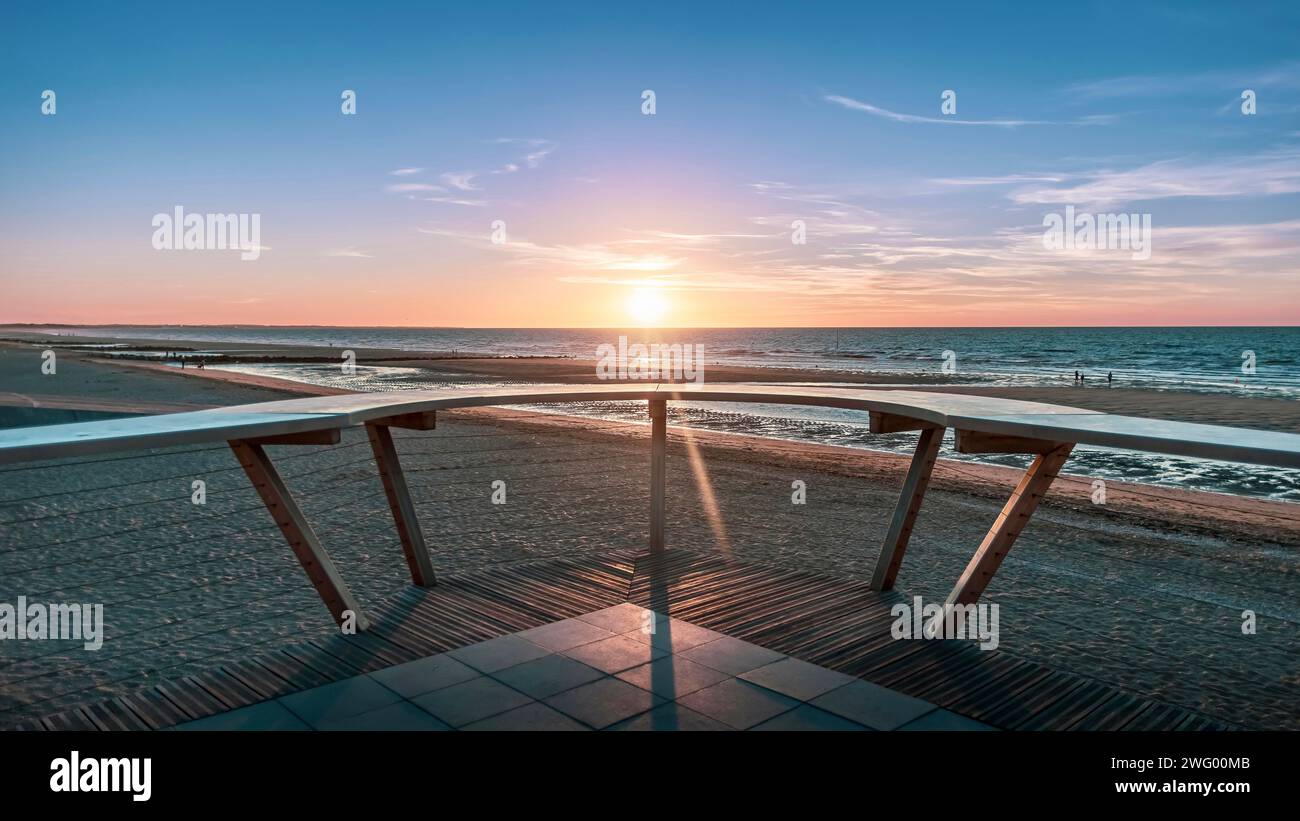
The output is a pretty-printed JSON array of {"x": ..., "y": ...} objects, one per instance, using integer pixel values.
[{"x": 531, "y": 114}]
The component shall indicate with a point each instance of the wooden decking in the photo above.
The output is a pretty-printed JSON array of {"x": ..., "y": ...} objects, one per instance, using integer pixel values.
[{"x": 837, "y": 623}]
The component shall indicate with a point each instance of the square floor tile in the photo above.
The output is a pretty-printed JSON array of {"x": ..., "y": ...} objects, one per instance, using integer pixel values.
[
  {"x": 563, "y": 635},
  {"x": 941, "y": 719},
  {"x": 424, "y": 675},
  {"x": 672, "y": 676},
  {"x": 737, "y": 703},
  {"x": 670, "y": 716},
  {"x": 872, "y": 705},
  {"x": 620, "y": 618},
  {"x": 269, "y": 715},
  {"x": 402, "y": 716},
  {"x": 674, "y": 635},
  {"x": 731, "y": 655},
  {"x": 797, "y": 679},
  {"x": 339, "y": 700},
  {"x": 604, "y": 702},
  {"x": 613, "y": 655},
  {"x": 806, "y": 717},
  {"x": 533, "y": 716},
  {"x": 498, "y": 654},
  {"x": 470, "y": 701},
  {"x": 547, "y": 675}
]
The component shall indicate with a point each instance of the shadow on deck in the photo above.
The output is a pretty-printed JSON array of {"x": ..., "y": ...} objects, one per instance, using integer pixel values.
[{"x": 836, "y": 623}]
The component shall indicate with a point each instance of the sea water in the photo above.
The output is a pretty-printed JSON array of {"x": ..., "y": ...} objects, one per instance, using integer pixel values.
[{"x": 1262, "y": 361}]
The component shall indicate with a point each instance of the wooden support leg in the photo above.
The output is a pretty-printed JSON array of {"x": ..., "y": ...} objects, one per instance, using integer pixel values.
[
  {"x": 297, "y": 531},
  {"x": 658, "y": 475},
  {"x": 399, "y": 502},
  {"x": 909, "y": 505},
  {"x": 1013, "y": 518}
]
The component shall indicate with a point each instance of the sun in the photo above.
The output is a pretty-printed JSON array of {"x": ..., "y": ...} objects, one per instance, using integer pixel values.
[{"x": 646, "y": 306}]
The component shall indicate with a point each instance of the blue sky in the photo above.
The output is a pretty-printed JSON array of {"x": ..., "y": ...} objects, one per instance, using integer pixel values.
[{"x": 825, "y": 113}]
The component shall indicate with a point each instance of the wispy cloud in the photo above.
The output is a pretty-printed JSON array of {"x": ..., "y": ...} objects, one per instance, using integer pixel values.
[
  {"x": 534, "y": 158},
  {"x": 460, "y": 180},
  {"x": 1271, "y": 173},
  {"x": 1285, "y": 75},
  {"x": 1005, "y": 179},
  {"x": 529, "y": 141},
  {"x": 412, "y": 187},
  {"x": 455, "y": 201},
  {"x": 858, "y": 105},
  {"x": 540, "y": 148},
  {"x": 896, "y": 272},
  {"x": 700, "y": 239},
  {"x": 456, "y": 183},
  {"x": 350, "y": 251},
  {"x": 602, "y": 256}
]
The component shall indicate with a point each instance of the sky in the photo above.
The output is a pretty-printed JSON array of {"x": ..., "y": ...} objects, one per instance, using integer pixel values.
[{"x": 773, "y": 123}]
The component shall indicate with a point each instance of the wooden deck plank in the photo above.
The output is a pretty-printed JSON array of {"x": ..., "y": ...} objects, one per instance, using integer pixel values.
[
  {"x": 69, "y": 720},
  {"x": 227, "y": 689},
  {"x": 153, "y": 709},
  {"x": 29, "y": 726},
  {"x": 838, "y": 623},
  {"x": 1111, "y": 714},
  {"x": 330, "y": 667},
  {"x": 987, "y": 673},
  {"x": 112, "y": 715},
  {"x": 258, "y": 679},
  {"x": 1157, "y": 717},
  {"x": 1068, "y": 711},
  {"x": 189, "y": 698},
  {"x": 978, "y": 702},
  {"x": 291, "y": 670}
]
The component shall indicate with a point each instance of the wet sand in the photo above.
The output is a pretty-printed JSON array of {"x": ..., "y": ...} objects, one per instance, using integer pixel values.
[
  {"x": 82, "y": 381},
  {"x": 1145, "y": 592},
  {"x": 1266, "y": 413}
]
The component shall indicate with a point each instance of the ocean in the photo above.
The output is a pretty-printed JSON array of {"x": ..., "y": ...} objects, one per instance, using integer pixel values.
[
  {"x": 1262, "y": 361},
  {"x": 1199, "y": 359}
]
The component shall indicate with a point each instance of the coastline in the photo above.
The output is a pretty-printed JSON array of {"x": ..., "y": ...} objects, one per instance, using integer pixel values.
[
  {"x": 1253, "y": 411},
  {"x": 1197, "y": 511},
  {"x": 1088, "y": 588}
]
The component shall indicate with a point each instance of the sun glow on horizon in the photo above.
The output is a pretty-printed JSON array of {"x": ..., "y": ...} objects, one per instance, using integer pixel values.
[{"x": 647, "y": 306}]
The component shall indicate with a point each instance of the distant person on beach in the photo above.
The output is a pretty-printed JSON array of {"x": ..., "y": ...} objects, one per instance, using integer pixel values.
[{"x": 1110, "y": 378}]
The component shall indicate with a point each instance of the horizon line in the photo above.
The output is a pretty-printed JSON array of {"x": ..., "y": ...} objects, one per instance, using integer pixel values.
[{"x": 78, "y": 325}]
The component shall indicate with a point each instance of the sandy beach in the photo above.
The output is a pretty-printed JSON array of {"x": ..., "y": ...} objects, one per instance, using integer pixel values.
[
  {"x": 1145, "y": 592},
  {"x": 1267, "y": 413}
]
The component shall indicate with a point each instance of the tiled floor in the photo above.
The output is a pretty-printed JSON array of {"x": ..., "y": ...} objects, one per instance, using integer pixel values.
[{"x": 623, "y": 668}]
